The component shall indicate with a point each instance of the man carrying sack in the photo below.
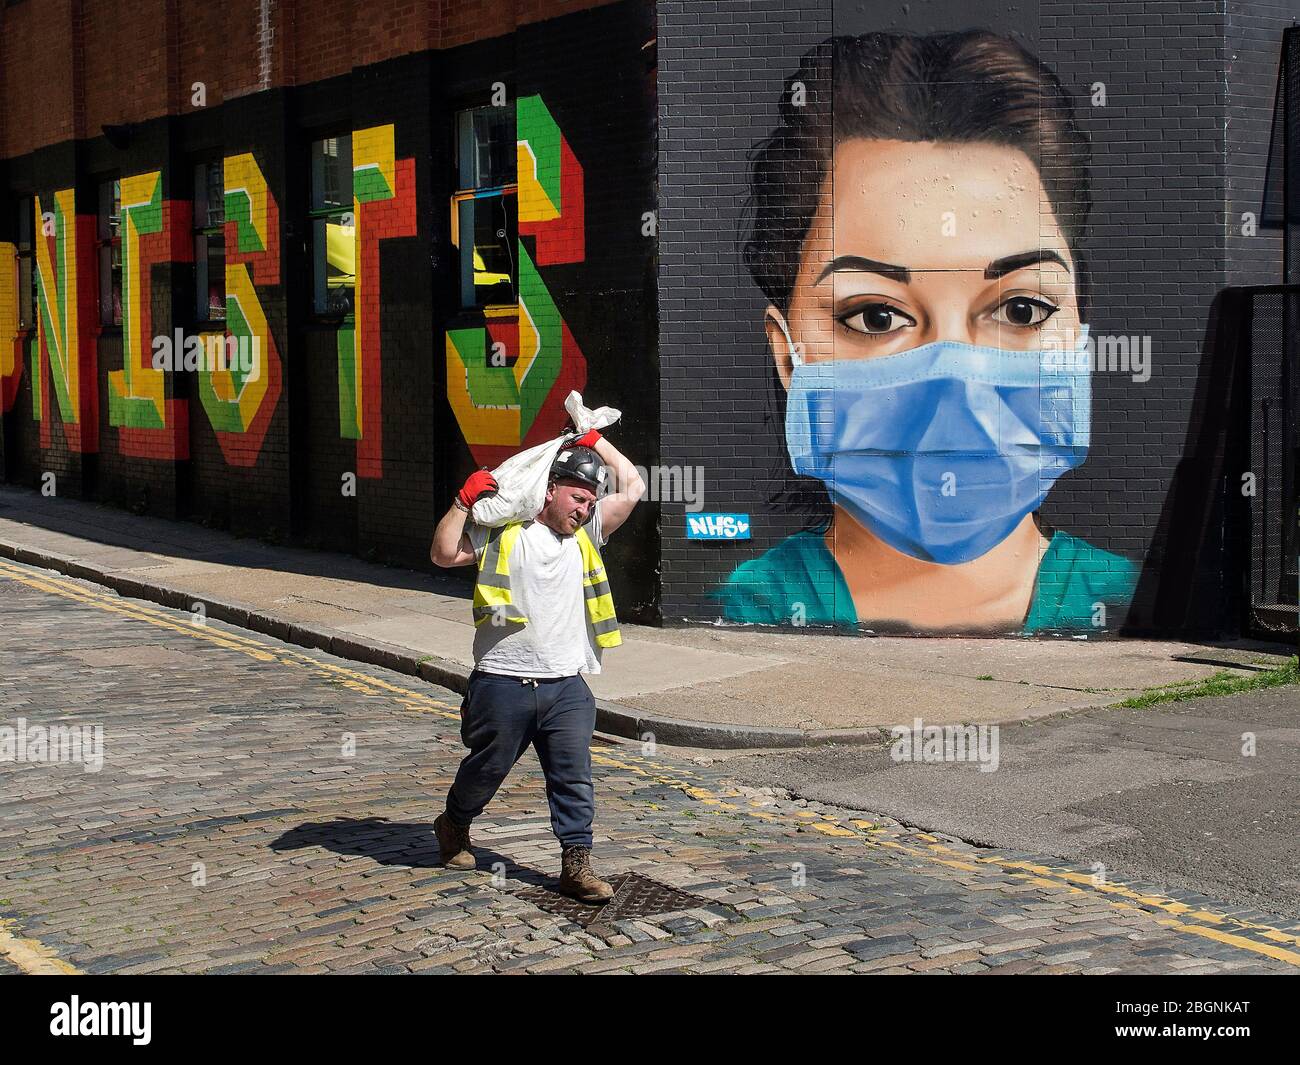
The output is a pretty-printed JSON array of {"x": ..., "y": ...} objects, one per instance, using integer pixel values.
[{"x": 543, "y": 613}]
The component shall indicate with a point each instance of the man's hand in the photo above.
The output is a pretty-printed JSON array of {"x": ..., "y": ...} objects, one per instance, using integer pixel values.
[
  {"x": 587, "y": 439},
  {"x": 478, "y": 484}
]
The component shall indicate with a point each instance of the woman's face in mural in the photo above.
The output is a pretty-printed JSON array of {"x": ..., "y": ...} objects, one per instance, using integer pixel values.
[
  {"x": 914, "y": 243},
  {"x": 936, "y": 370}
]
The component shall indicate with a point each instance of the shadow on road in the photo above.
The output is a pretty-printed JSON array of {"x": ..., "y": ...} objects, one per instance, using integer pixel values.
[{"x": 410, "y": 844}]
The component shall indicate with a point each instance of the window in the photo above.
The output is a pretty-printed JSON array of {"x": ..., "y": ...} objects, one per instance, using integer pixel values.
[
  {"x": 26, "y": 258},
  {"x": 209, "y": 243},
  {"x": 484, "y": 209},
  {"x": 109, "y": 242},
  {"x": 332, "y": 225}
]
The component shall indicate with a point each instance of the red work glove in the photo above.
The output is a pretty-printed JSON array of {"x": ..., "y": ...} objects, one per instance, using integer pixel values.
[
  {"x": 480, "y": 483},
  {"x": 587, "y": 439}
]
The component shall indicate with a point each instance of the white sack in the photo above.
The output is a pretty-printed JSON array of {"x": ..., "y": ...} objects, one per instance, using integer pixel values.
[{"x": 522, "y": 478}]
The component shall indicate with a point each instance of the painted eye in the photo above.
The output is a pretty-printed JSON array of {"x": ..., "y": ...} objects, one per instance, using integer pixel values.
[
  {"x": 1023, "y": 311},
  {"x": 876, "y": 318}
]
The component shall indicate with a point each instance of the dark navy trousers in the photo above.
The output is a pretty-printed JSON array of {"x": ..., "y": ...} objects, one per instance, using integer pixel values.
[{"x": 499, "y": 717}]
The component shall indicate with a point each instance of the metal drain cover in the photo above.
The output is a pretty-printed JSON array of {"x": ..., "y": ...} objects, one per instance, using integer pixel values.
[{"x": 634, "y": 896}]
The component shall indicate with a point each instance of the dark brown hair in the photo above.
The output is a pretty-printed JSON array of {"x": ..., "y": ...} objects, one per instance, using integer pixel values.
[{"x": 969, "y": 87}]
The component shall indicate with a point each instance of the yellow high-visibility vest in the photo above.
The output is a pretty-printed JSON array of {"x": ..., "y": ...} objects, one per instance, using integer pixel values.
[{"x": 492, "y": 596}]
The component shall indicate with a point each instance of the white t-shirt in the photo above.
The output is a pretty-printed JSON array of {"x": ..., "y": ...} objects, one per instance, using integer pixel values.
[{"x": 546, "y": 585}]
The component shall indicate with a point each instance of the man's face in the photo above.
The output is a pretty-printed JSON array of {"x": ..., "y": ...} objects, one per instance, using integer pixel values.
[{"x": 568, "y": 506}]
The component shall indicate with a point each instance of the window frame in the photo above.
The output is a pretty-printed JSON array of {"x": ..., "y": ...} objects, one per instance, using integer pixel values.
[
  {"x": 26, "y": 256},
  {"x": 467, "y": 193},
  {"x": 107, "y": 248},
  {"x": 318, "y": 258},
  {"x": 202, "y": 231}
]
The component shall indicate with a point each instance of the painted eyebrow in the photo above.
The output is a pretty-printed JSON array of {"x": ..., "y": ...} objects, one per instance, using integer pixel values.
[
  {"x": 997, "y": 268},
  {"x": 1011, "y": 263},
  {"x": 859, "y": 264}
]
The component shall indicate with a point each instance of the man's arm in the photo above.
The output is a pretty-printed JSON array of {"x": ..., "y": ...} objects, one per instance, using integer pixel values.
[
  {"x": 626, "y": 486},
  {"x": 451, "y": 544}
]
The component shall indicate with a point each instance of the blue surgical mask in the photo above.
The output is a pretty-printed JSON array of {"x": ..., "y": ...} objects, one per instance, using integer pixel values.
[{"x": 940, "y": 451}]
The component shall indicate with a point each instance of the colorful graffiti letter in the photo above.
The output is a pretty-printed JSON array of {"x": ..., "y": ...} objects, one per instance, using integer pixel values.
[
  {"x": 65, "y": 310},
  {"x": 500, "y": 404},
  {"x": 238, "y": 400},
  {"x": 150, "y": 425},
  {"x": 383, "y": 203},
  {"x": 11, "y": 348}
]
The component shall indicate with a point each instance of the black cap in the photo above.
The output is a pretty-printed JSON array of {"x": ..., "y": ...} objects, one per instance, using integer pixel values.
[{"x": 579, "y": 464}]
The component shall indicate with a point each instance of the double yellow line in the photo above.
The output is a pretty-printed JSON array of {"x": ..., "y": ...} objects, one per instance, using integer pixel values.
[
  {"x": 254, "y": 648},
  {"x": 31, "y": 955},
  {"x": 1245, "y": 935},
  {"x": 1262, "y": 939}
]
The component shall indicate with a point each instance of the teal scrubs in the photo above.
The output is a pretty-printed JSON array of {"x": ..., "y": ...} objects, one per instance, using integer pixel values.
[{"x": 1073, "y": 577}]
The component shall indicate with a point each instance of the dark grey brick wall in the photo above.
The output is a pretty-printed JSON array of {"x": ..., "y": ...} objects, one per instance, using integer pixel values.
[{"x": 722, "y": 67}]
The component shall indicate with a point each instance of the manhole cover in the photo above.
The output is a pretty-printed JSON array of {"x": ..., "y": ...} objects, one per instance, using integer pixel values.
[{"x": 634, "y": 896}]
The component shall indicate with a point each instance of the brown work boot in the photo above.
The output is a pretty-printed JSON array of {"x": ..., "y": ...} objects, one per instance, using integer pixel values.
[
  {"x": 453, "y": 842},
  {"x": 578, "y": 881}
]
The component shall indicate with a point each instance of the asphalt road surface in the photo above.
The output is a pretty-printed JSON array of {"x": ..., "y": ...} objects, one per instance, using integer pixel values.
[{"x": 1165, "y": 793}]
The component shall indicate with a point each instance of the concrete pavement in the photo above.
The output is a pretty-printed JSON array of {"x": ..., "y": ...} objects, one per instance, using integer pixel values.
[{"x": 708, "y": 686}]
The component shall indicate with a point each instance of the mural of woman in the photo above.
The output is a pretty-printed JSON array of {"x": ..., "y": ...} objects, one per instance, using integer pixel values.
[{"x": 915, "y": 223}]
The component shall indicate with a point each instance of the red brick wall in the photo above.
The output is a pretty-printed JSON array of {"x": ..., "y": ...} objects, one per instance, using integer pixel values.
[
  {"x": 124, "y": 61},
  {"x": 37, "y": 56},
  {"x": 323, "y": 42},
  {"x": 141, "y": 60},
  {"x": 474, "y": 20},
  {"x": 215, "y": 49}
]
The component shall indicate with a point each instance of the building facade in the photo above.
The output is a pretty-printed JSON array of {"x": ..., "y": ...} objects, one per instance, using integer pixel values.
[{"x": 295, "y": 268}]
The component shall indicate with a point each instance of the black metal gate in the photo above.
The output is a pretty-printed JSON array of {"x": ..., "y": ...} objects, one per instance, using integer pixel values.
[
  {"x": 1272, "y": 350},
  {"x": 1287, "y": 106},
  {"x": 1272, "y": 333}
]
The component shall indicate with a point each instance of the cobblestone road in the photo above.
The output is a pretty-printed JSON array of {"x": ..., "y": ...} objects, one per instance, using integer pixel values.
[{"x": 261, "y": 808}]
